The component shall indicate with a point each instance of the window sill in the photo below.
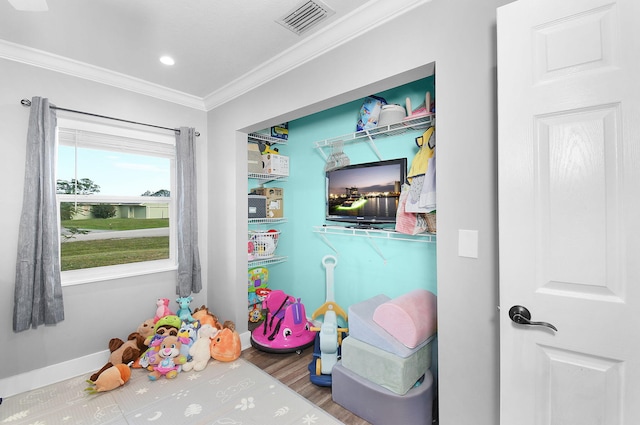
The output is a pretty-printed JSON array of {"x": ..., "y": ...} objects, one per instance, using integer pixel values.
[{"x": 100, "y": 274}]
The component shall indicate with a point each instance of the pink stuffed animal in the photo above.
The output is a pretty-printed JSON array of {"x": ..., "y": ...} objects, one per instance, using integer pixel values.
[{"x": 162, "y": 310}]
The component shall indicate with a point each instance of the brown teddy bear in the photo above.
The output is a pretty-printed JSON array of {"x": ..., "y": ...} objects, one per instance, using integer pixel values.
[
  {"x": 123, "y": 352},
  {"x": 146, "y": 328}
]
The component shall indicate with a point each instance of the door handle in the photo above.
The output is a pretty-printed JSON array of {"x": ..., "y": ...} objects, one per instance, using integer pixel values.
[{"x": 522, "y": 316}]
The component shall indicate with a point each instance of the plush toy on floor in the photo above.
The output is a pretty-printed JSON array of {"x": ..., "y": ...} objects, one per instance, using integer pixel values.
[
  {"x": 146, "y": 328},
  {"x": 200, "y": 352},
  {"x": 111, "y": 378},
  {"x": 188, "y": 334},
  {"x": 171, "y": 361},
  {"x": 205, "y": 317},
  {"x": 226, "y": 345},
  {"x": 166, "y": 326},
  {"x": 184, "y": 312},
  {"x": 162, "y": 309},
  {"x": 123, "y": 352}
]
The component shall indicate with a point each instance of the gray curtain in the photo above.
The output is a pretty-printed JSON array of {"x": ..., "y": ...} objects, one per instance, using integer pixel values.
[
  {"x": 189, "y": 276},
  {"x": 38, "y": 290}
]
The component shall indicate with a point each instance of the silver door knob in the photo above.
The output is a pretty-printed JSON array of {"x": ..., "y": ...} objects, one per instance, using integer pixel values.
[{"x": 522, "y": 316}]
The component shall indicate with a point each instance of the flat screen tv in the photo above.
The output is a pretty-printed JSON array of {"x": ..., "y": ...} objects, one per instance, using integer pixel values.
[{"x": 365, "y": 194}]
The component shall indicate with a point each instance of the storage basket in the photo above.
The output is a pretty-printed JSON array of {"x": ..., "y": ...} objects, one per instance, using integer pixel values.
[
  {"x": 264, "y": 243},
  {"x": 431, "y": 222}
]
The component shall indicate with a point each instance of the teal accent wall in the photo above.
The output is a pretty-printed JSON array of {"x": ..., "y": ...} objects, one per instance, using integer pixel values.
[{"x": 361, "y": 271}]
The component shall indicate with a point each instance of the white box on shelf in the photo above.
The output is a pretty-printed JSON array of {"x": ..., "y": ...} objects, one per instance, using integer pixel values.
[{"x": 277, "y": 165}]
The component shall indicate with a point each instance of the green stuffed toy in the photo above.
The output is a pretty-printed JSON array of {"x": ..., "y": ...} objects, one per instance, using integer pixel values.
[{"x": 166, "y": 326}]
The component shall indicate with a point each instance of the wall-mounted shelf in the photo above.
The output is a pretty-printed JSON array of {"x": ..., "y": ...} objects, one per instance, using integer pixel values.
[
  {"x": 263, "y": 178},
  {"x": 371, "y": 234},
  {"x": 267, "y": 220},
  {"x": 267, "y": 261},
  {"x": 394, "y": 129},
  {"x": 260, "y": 137},
  {"x": 375, "y": 233}
]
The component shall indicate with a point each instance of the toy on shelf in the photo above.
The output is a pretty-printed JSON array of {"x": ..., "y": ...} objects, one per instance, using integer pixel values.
[
  {"x": 285, "y": 328},
  {"x": 257, "y": 292},
  {"x": 264, "y": 243},
  {"x": 328, "y": 341},
  {"x": 265, "y": 148}
]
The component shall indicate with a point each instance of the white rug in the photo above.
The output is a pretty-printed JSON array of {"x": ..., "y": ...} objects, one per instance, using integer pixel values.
[{"x": 235, "y": 393}]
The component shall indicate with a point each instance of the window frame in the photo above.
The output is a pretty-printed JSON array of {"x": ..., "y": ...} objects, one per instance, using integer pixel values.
[{"x": 127, "y": 140}]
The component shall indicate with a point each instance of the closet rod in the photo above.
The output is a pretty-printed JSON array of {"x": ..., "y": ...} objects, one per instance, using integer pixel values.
[{"x": 27, "y": 102}]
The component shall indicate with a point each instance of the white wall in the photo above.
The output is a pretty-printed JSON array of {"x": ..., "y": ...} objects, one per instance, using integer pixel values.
[
  {"x": 97, "y": 312},
  {"x": 459, "y": 36}
]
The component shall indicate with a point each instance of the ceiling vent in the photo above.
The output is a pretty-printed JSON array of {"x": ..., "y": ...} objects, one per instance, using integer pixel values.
[{"x": 305, "y": 16}]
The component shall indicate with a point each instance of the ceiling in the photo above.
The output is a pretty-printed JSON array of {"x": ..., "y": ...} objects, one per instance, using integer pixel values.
[{"x": 222, "y": 48}]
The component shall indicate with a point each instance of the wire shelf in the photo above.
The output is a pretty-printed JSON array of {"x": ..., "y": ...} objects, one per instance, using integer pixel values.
[
  {"x": 375, "y": 233},
  {"x": 260, "y": 137},
  {"x": 267, "y": 220},
  {"x": 267, "y": 261},
  {"x": 393, "y": 129},
  {"x": 266, "y": 177}
]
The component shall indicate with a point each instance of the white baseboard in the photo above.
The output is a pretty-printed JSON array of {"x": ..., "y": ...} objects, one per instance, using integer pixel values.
[
  {"x": 51, "y": 374},
  {"x": 245, "y": 340},
  {"x": 59, "y": 372}
]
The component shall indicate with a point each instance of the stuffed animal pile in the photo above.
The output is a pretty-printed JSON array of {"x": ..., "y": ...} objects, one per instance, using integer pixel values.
[{"x": 167, "y": 344}]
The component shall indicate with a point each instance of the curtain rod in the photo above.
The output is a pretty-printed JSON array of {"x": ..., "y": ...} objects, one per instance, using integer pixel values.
[{"x": 27, "y": 102}]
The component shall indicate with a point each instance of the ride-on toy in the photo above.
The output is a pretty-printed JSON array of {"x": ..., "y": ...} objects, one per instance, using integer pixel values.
[
  {"x": 326, "y": 351},
  {"x": 285, "y": 328}
]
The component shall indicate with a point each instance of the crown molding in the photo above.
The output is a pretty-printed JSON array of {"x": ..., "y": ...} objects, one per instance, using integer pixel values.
[
  {"x": 42, "y": 59},
  {"x": 364, "y": 19}
]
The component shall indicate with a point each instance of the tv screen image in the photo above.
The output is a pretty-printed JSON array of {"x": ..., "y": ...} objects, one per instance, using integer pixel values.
[{"x": 365, "y": 193}]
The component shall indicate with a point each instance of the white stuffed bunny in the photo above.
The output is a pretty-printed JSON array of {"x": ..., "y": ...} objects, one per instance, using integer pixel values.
[{"x": 199, "y": 351}]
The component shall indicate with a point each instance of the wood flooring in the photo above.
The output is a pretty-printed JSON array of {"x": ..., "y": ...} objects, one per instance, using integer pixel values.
[{"x": 291, "y": 370}]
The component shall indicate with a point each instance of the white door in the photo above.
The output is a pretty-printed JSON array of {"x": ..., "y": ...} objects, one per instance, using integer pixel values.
[{"x": 569, "y": 195}]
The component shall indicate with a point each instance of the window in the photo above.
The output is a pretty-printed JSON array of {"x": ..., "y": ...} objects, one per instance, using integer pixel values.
[{"x": 114, "y": 191}]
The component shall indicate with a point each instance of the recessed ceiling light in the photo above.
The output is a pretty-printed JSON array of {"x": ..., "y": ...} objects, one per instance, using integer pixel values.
[{"x": 167, "y": 60}]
